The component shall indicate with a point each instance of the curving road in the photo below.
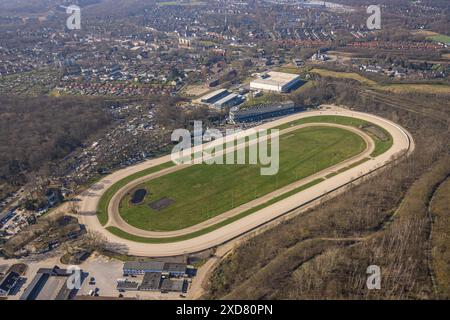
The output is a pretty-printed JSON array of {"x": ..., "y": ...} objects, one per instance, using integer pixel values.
[{"x": 403, "y": 144}]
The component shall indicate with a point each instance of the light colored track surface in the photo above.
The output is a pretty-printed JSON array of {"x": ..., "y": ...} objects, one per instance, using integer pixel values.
[
  {"x": 90, "y": 198},
  {"x": 116, "y": 220}
]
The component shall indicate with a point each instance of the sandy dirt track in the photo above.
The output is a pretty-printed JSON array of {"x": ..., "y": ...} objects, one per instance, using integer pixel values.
[{"x": 403, "y": 144}]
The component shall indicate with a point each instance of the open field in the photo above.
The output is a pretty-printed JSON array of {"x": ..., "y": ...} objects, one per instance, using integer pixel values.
[
  {"x": 426, "y": 88},
  {"x": 426, "y": 33},
  {"x": 433, "y": 36},
  {"x": 344, "y": 75},
  {"x": 442, "y": 38},
  {"x": 203, "y": 191},
  {"x": 380, "y": 145},
  {"x": 196, "y": 90},
  {"x": 394, "y": 88}
]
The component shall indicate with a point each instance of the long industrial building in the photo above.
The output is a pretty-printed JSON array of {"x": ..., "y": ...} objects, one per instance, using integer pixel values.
[
  {"x": 229, "y": 101},
  {"x": 49, "y": 284},
  {"x": 214, "y": 96},
  {"x": 221, "y": 99},
  {"x": 276, "y": 82}
]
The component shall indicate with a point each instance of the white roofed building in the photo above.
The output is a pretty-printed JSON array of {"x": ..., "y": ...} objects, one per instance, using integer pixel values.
[{"x": 276, "y": 82}]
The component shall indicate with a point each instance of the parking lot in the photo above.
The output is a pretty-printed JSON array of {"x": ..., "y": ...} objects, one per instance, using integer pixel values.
[{"x": 106, "y": 272}]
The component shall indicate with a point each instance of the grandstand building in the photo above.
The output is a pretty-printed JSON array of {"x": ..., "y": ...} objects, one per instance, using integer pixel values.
[{"x": 261, "y": 112}]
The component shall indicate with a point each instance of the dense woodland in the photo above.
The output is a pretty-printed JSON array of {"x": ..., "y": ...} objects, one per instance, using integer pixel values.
[{"x": 35, "y": 132}]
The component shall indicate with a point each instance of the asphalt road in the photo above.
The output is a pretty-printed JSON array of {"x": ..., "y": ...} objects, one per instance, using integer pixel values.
[{"x": 403, "y": 144}]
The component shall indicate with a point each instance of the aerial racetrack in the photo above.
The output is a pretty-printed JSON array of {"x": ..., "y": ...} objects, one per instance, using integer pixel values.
[
  {"x": 187, "y": 197},
  {"x": 157, "y": 208}
]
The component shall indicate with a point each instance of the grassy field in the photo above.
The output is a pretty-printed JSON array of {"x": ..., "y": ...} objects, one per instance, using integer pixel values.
[
  {"x": 380, "y": 145},
  {"x": 394, "y": 88},
  {"x": 425, "y": 33},
  {"x": 344, "y": 75},
  {"x": 125, "y": 235},
  {"x": 440, "y": 38},
  {"x": 434, "y": 36},
  {"x": 405, "y": 88},
  {"x": 203, "y": 191}
]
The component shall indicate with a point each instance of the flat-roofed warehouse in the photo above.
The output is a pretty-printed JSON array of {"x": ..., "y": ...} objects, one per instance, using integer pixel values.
[
  {"x": 49, "y": 284},
  {"x": 228, "y": 101},
  {"x": 151, "y": 281},
  {"x": 174, "y": 285},
  {"x": 276, "y": 82},
  {"x": 138, "y": 267}
]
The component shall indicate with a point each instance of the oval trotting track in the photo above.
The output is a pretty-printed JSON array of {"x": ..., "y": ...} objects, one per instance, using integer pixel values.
[
  {"x": 402, "y": 144},
  {"x": 116, "y": 220}
]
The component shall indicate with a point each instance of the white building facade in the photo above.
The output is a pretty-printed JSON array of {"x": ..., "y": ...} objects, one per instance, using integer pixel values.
[{"x": 276, "y": 82}]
